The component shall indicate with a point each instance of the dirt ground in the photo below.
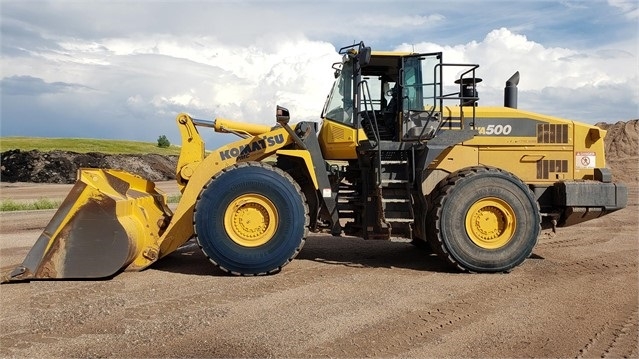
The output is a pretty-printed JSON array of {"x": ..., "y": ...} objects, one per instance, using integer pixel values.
[{"x": 577, "y": 296}]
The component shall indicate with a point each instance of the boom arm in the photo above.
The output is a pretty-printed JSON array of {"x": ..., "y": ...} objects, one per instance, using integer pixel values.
[
  {"x": 194, "y": 170},
  {"x": 193, "y": 151}
]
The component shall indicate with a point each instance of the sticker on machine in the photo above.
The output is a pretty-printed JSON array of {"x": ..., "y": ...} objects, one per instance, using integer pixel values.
[{"x": 585, "y": 160}]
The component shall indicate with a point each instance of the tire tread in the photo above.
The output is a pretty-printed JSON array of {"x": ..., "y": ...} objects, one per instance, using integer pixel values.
[
  {"x": 442, "y": 191},
  {"x": 291, "y": 182}
]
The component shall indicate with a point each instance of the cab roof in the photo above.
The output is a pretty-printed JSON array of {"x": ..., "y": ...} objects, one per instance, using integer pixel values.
[{"x": 385, "y": 64}]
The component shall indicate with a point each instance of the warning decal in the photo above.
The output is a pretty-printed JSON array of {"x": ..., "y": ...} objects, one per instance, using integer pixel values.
[{"x": 584, "y": 160}]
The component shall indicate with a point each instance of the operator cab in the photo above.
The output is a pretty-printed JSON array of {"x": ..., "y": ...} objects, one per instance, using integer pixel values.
[
  {"x": 399, "y": 94},
  {"x": 392, "y": 96}
]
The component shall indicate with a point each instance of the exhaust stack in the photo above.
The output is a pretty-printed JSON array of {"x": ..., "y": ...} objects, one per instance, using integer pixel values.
[{"x": 510, "y": 91}]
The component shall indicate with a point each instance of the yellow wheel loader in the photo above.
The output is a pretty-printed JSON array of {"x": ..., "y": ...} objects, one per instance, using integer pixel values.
[{"x": 399, "y": 154}]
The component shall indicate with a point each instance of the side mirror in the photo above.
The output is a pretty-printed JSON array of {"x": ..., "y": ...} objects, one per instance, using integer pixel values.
[
  {"x": 282, "y": 116},
  {"x": 364, "y": 55},
  {"x": 338, "y": 68}
]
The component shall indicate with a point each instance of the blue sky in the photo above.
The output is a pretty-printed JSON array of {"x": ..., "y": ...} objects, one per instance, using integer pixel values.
[{"x": 124, "y": 69}]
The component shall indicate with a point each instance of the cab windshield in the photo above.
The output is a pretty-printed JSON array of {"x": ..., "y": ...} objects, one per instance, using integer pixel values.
[{"x": 339, "y": 104}]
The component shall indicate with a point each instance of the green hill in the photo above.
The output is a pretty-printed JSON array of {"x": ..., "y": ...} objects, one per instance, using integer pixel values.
[{"x": 84, "y": 145}]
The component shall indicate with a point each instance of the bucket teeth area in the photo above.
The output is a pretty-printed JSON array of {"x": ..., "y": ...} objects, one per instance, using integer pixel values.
[{"x": 106, "y": 224}]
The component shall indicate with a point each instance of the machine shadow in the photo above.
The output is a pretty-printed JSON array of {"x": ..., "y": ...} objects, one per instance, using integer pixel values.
[
  {"x": 188, "y": 259},
  {"x": 359, "y": 253},
  {"x": 336, "y": 251}
]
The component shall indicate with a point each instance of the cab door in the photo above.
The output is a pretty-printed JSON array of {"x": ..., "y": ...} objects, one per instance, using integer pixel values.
[{"x": 421, "y": 83}]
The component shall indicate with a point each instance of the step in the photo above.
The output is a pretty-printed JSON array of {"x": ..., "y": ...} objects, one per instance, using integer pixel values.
[
  {"x": 342, "y": 207},
  {"x": 400, "y": 220},
  {"x": 396, "y": 200},
  {"x": 397, "y": 239},
  {"x": 395, "y": 192},
  {"x": 395, "y": 181},
  {"x": 348, "y": 198}
]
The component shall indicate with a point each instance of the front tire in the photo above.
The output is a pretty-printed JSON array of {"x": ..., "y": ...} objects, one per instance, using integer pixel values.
[
  {"x": 484, "y": 220},
  {"x": 251, "y": 219}
]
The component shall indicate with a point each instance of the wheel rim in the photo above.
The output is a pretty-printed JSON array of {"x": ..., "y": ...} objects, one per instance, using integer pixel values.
[
  {"x": 490, "y": 223},
  {"x": 251, "y": 220}
]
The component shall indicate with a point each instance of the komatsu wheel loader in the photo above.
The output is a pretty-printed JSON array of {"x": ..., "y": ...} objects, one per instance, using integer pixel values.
[{"x": 398, "y": 154}]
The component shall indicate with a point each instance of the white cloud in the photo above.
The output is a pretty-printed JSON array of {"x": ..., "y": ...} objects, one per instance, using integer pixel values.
[
  {"x": 149, "y": 80},
  {"x": 386, "y": 22},
  {"x": 246, "y": 81},
  {"x": 549, "y": 75},
  {"x": 630, "y": 8}
]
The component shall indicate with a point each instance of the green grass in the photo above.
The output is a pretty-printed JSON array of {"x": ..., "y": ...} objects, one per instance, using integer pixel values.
[
  {"x": 84, "y": 145},
  {"x": 173, "y": 198},
  {"x": 9, "y": 205}
]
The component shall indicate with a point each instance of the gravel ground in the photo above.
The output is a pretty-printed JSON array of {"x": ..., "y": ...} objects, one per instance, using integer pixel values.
[{"x": 577, "y": 296}]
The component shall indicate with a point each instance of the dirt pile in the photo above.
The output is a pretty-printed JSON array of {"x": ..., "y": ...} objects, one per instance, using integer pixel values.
[
  {"x": 61, "y": 166},
  {"x": 622, "y": 149}
]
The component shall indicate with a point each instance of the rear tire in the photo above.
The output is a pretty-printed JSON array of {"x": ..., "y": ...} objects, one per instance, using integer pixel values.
[
  {"x": 251, "y": 219},
  {"x": 484, "y": 220}
]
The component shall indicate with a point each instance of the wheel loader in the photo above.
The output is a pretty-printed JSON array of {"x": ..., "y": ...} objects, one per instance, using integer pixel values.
[{"x": 404, "y": 151}]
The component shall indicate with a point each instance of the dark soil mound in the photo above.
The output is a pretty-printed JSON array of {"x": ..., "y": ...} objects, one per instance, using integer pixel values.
[{"x": 61, "y": 166}]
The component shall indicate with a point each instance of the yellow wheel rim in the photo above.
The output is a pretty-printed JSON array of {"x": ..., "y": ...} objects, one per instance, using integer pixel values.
[
  {"x": 251, "y": 220},
  {"x": 490, "y": 223}
]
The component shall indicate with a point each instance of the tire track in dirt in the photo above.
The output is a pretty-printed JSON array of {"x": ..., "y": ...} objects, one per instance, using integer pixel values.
[
  {"x": 311, "y": 296},
  {"x": 210, "y": 307},
  {"x": 566, "y": 237},
  {"x": 55, "y": 310},
  {"x": 572, "y": 242},
  {"x": 394, "y": 335},
  {"x": 616, "y": 339},
  {"x": 419, "y": 327},
  {"x": 206, "y": 303}
]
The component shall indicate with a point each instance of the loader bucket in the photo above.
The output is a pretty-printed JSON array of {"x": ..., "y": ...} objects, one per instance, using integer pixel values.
[{"x": 110, "y": 221}]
